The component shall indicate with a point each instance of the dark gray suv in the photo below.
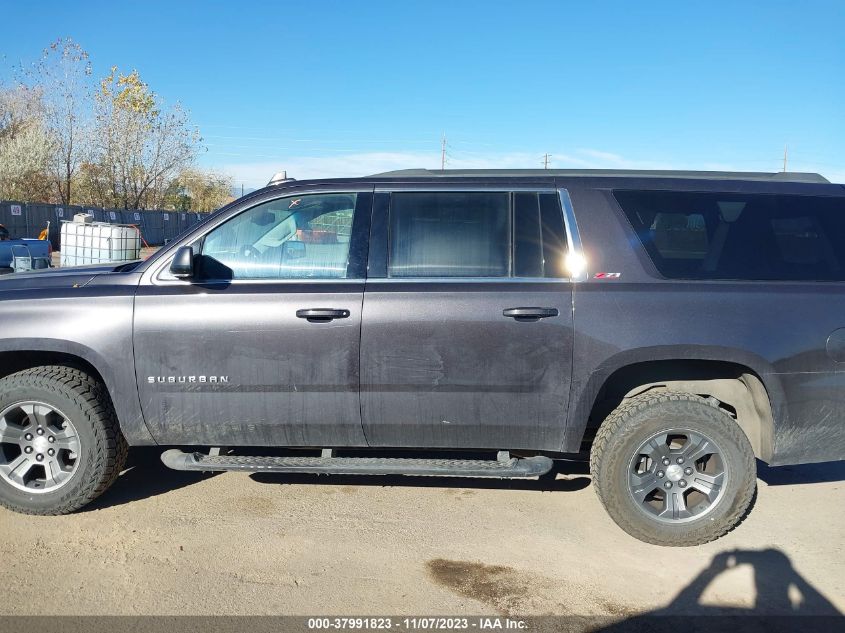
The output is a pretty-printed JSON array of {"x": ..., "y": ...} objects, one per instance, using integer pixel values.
[{"x": 671, "y": 325}]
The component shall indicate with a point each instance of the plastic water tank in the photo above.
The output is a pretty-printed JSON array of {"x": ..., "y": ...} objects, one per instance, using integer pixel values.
[{"x": 98, "y": 243}]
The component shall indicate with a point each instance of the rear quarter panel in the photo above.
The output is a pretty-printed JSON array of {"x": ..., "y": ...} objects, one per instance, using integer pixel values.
[{"x": 778, "y": 329}]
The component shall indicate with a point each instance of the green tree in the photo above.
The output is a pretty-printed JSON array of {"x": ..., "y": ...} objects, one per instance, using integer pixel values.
[{"x": 199, "y": 190}]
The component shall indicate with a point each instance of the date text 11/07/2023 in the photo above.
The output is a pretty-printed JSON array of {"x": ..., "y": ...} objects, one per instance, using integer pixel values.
[{"x": 416, "y": 624}]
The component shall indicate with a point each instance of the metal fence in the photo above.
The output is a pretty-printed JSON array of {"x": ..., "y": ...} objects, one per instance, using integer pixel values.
[{"x": 29, "y": 219}]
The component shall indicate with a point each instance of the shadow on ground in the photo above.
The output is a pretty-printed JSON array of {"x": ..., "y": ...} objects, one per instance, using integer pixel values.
[
  {"x": 783, "y": 601},
  {"x": 803, "y": 474},
  {"x": 145, "y": 476}
]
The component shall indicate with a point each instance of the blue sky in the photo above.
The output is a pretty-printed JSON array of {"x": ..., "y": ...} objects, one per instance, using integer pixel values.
[{"x": 349, "y": 88}]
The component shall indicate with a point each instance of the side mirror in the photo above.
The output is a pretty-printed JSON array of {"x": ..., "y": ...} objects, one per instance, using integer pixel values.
[{"x": 182, "y": 265}]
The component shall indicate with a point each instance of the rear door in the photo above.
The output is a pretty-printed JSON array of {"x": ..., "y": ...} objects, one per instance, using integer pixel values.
[{"x": 467, "y": 322}]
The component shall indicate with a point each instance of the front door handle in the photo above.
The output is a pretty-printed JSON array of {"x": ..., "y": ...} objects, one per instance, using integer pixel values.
[
  {"x": 322, "y": 314},
  {"x": 530, "y": 314}
]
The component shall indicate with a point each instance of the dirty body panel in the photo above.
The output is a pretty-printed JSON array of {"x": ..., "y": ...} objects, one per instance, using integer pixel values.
[
  {"x": 433, "y": 363},
  {"x": 778, "y": 329}
]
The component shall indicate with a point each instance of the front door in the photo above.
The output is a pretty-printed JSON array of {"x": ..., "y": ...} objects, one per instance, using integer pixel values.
[
  {"x": 467, "y": 329},
  {"x": 261, "y": 347}
]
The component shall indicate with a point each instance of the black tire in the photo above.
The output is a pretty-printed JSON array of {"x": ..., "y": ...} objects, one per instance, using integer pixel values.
[
  {"x": 617, "y": 446},
  {"x": 88, "y": 406}
]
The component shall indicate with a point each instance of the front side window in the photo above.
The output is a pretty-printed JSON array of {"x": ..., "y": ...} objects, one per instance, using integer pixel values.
[
  {"x": 296, "y": 237},
  {"x": 778, "y": 237}
]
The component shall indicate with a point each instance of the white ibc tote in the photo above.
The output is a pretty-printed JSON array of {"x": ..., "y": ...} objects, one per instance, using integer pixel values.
[{"x": 98, "y": 243}]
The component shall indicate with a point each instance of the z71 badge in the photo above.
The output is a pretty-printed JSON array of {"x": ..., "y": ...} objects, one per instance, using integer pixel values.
[{"x": 607, "y": 275}]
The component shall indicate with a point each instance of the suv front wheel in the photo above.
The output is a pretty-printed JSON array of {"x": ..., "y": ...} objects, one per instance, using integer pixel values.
[
  {"x": 60, "y": 444},
  {"x": 673, "y": 469}
]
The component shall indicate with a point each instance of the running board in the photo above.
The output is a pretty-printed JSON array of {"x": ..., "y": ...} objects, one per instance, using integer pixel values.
[{"x": 502, "y": 468}]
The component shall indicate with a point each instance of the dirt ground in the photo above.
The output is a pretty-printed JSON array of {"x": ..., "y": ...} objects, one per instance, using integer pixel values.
[{"x": 164, "y": 542}]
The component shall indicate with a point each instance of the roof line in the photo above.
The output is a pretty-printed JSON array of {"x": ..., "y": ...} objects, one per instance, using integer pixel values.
[{"x": 779, "y": 176}]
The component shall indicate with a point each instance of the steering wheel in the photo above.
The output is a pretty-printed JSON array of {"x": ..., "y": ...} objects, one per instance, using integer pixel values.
[{"x": 249, "y": 252}]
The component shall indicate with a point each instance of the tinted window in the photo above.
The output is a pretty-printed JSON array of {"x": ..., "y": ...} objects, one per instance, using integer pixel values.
[
  {"x": 449, "y": 235},
  {"x": 539, "y": 247},
  {"x": 289, "y": 238},
  {"x": 528, "y": 238},
  {"x": 739, "y": 236}
]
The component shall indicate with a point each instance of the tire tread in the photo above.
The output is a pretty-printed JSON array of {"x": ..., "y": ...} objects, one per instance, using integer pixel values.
[
  {"x": 110, "y": 447},
  {"x": 609, "y": 495}
]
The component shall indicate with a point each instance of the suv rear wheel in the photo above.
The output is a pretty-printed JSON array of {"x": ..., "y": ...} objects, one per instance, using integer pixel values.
[
  {"x": 60, "y": 444},
  {"x": 673, "y": 469}
]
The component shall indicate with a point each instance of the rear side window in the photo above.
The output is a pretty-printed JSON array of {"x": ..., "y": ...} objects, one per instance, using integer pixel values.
[
  {"x": 449, "y": 235},
  {"x": 476, "y": 234},
  {"x": 739, "y": 236}
]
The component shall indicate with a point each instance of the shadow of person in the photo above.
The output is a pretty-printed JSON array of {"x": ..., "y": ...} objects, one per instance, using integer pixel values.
[
  {"x": 144, "y": 476},
  {"x": 774, "y": 577},
  {"x": 784, "y": 601}
]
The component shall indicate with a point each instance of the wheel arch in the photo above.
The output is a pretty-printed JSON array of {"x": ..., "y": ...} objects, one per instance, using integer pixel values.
[
  {"x": 19, "y": 354},
  {"x": 752, "y": 397}
]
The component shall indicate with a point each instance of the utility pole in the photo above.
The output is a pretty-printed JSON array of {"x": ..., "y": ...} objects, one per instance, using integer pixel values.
[
  {"x": 546, "y": 158},
  {"x": 443, "y": 153},
  {"x": 784, "y": 157}
]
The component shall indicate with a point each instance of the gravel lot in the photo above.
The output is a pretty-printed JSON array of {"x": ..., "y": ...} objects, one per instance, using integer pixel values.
[{"x": 163, "y": 542}]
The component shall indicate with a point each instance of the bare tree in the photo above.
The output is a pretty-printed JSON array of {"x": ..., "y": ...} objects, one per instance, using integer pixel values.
[
  {"x": 63, "y": 75},
  {"x": 24, "y": 145}
]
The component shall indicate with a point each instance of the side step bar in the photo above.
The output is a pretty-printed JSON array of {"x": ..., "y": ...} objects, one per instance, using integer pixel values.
[{"x": 502, "y": 468}]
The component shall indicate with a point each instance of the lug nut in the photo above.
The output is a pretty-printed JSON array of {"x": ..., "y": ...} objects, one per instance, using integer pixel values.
[
  {"x": 39, "y": 457},
  {"x": 666, "y": 461},
  {"x": 40, "y": 431},
  {"x": 28, "y": 437},
  {"x": 683, "y": 483},
  {"x": 660, "y": 474},
  {"x": 28, "y": 449},
  {"x": 51, "y": 452},
  {"x": 680, "y": 460},
  {"x": 51, "y": 439},
  {"x": 688, "y": 471},
  {"x": 667, "y": 485}
]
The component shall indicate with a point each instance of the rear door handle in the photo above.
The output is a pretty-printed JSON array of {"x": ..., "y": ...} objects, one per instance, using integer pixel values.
[
  {"x": 530, "y": 314},
  {"x": 322, "y": 314}
]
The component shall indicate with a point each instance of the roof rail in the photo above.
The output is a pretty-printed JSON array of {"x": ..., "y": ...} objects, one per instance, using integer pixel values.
[{"x": 780, "y": 176}]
